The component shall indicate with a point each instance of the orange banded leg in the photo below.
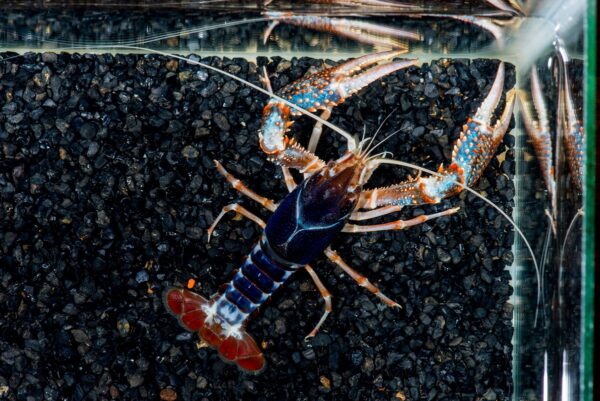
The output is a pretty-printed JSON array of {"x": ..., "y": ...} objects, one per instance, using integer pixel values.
[
  {"x": 326, "y": 298},
  {"x": 290, "y": 183},
  {"x": 398, "y": 224},
  {"x": 238, "y": 209},
  {"x": 361, "y": 280},
  {"x": 244, "y": 190},
  {"x": 371, "y": 214}
]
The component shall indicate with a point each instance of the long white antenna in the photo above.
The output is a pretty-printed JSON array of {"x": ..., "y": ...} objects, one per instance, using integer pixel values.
[
  {"x": 376, "y": 162},
  {"x": 346, "y": 135}
]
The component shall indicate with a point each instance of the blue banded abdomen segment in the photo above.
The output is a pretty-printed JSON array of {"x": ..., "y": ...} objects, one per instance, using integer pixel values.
[
  {"x": 259, "y": 278},
  {"x": 252, "y": 292},
  {"x": 229, "y": 311},
  {"x": 237, "y": 298},
  {"x": 255, "y": 281},
  {"x": 268, "y": 266}
]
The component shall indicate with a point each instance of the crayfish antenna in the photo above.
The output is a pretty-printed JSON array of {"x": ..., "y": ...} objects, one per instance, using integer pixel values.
[{"x": 196, "y": 313}]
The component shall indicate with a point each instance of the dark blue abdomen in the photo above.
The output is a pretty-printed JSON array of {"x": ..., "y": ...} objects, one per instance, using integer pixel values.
[{"x": 255, "y": 281}]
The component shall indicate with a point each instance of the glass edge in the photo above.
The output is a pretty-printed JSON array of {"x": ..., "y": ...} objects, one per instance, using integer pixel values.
[{"x": 587, "y": 288}]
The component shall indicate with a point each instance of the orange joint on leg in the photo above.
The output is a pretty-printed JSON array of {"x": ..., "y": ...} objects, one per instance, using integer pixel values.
[
  {"x": 268, "y": 203},
  {"x": 309, "y": 166},
  {"x": 425, "y": 198}
]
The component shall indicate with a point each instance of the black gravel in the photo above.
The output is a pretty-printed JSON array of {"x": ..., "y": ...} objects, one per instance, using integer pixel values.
[{"x": 107, "y": 187}]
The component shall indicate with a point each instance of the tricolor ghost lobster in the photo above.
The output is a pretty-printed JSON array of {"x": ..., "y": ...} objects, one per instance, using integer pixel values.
[{"x": 328, "y": 201}]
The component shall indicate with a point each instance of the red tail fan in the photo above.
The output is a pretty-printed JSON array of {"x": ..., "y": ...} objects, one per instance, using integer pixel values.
[{"x": 190, "y": 308}]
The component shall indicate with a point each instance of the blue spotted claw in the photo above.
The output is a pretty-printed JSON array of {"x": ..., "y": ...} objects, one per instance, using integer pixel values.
[
  {"x": 539, "y": 133},
  {"x": 472, "y": 152},
  {"x": 323, "y": 91}
]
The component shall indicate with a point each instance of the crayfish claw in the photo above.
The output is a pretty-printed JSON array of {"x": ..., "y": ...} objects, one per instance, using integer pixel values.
[
  {"x": 472, "y": 152},
  {"x": 321, "y": 90}
]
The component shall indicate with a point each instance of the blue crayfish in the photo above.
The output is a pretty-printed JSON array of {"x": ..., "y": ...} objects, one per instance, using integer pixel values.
[{"x": 328, "y": 201}]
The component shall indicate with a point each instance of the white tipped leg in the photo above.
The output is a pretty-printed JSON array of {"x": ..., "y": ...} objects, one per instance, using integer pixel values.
[
  {"x": 290, "y": 183},
  {"x": 238, "y": 209},
  {"x": 398, "y": 224},
  {"x": 326, "y": 298},
  {"x": 360, "y": 280},
  {"x": 244, "y": 190},
  {"x": 317, "y": 131}
]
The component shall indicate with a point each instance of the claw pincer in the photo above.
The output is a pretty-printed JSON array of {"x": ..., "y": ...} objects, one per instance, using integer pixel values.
[
  {"x": 472, "y": 152},
  {"x": 539, "y": 133},
  {"x": 322, "y": 90}
]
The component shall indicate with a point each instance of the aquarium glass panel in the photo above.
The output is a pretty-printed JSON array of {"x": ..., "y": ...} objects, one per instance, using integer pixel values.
[{"x": 428, "y": 160}]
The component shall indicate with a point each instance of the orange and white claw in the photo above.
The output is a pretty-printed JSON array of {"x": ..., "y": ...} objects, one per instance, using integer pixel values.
[
  {"x": 483, "y": 115},
  {"x": 322, "y": 90}
]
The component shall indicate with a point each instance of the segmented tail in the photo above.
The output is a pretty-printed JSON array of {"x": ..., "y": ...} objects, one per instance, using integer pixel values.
[{"x": 191, "y": 309}]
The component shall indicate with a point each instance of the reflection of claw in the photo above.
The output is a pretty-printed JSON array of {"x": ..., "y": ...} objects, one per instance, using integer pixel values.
[
  {"x": 571, "y": 128},
  {"x": 360, "y": 31},
  {"x": 489, "y": 24},
  {"x": 495, "y": 26},
  {"x": 513, "y": 7},
  {"x": 539, "y": 133}
]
